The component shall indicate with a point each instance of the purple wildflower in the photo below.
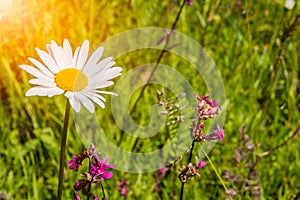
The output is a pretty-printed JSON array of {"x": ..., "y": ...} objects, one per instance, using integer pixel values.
[
  {"x": 206, "y": 108},
  {"x": 239, "y": 4},
  {"x": 231, "y": 192},
  {"x": 201, "y": 164},
  {"x": 80, "y": 184},
  {"x": 75, "y": 163},
  {"x": 219, "y": 133},
  {"x": 121, "y": 187},
  {"x": 93, "y": 153},
  {"x": 190, "y": 2},
  {"x": 97, "y": 173},
  {"x": 96, "y": 197},
  {"x": 162, "y": 171},
  {"x": 200, "y": 125},
  {"x": 190, "y": 171},
  {"x": 76, "y": 196},
  {"x": 299, "y": 107},
  {"x": 216, "y": 135},
  {"x": 99, "y": 168}
]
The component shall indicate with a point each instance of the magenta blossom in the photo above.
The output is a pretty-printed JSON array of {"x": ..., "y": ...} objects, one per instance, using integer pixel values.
[
  {"x": 201, "y": 164},
  {"x": 76, "y": 196},
  {"x": 75, "y": 163},
  {"x": 201, "y": 126},
  {"x": 216, "y": 135},
  {"x": 206, "y": 108},
  {"x": 239, "y": 4},
  {"x": 190, "y": 2},
  {"x": 219, "y": 133},
  {"x": 96, "y": 197},
  {"x": 122, "y": 187},
  {"x": 161, "y": 172},
  {"x": 98, "y": 172},
  {"x": 99, "y": 168}
]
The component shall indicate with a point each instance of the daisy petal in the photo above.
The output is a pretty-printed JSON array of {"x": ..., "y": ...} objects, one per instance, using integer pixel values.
[
  {"x": 112, "y": 73},
  {"x": 44, "y": 69},
  {"x": 75, "y": 58},
  {"x": 35, "y": 72},
  {"x": 99, "y": 102},
  {"x": 95, "y": 97},
  {"x": 38, "y": 90},
  {"x": 53, "y": 43},
  {"x": 103, "y": 84},
  {"x": 69, "y": 95},
  {"x": 49, "y": 49},
  {"x": 75, "y": 103},
  {"x": 83, "y": 54},
  {"x": 43, "y": 91},
  {"x": 48, "y": 60},
  {"x": 100, "y": 72},
  {"x": 104, "y": 63},
  {"x": 68, "y": 51},
  {"x": 91, "y": 69},
  {"x": 105, "y": 92},
  {"x": 59, "y": 56},
  {"x": 94, "y": 94},
  {"x": 85, "y": 101},
  {"x": 97, "y": 82},
  {"x": 42, "y": 82},
  {"x": 94, "y": 58},
  {"x": 55, "y": 91}
]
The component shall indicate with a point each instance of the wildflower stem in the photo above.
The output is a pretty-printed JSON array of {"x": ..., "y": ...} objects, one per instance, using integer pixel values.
[
  {"x": 189, "y": 160},
  {"x": 181, "y": 190},
  {"x": 213, "y": 166},
  {"x": 89, "y": 190},
  {"x": 90, "y": 183},
  {"x": 103, "y": 198},
  {"x": 62, "y": 151},
  {"x": 191, "y": 152}
]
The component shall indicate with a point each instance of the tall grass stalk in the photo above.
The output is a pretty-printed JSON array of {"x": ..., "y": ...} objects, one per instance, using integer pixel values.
[{"x": 213, "y": 166}]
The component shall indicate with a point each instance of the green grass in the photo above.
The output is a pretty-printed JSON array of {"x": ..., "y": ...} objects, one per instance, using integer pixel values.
[{"x": 262, "y": 93}]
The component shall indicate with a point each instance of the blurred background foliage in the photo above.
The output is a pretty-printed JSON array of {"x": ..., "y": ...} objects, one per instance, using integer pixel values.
[{"x": 255, "y": 45}]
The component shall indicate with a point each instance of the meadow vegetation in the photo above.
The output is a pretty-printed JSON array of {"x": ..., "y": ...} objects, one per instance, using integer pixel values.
[{"x": 255, "y": 45}]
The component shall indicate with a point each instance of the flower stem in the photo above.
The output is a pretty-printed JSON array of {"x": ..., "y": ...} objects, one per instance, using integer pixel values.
[
  {"x": 89, "y": 191},
  {"x": 90, "y": 183},
  {"x": 62, "y": 151},
  {"x": 189, "y": 160},
  {"x": 103, "y": 193}
]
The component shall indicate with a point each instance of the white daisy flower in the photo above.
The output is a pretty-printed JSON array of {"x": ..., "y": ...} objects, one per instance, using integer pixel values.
[{"x": 75, "y": 76}]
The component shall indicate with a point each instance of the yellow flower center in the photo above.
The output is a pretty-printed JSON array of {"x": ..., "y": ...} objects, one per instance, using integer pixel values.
[{"x": 71, "y": 79}]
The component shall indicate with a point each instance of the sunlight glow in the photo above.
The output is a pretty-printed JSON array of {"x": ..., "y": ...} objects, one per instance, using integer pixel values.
[{"x": 5, "y": 6}]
